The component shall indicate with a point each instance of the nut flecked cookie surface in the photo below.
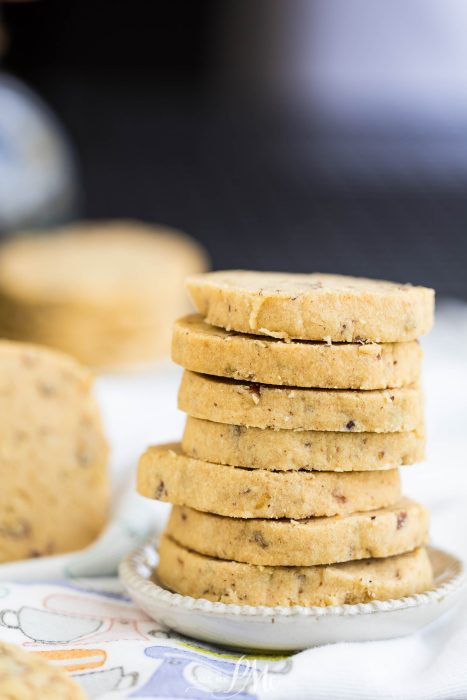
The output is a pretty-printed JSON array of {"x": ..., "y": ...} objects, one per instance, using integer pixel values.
[
  {"x": 166, "y": 474},
  {"x": 262, "y": 406},
  {"x": 313, "y": 306},
  {"x": 25, "y": 676},
  {"x": 53, "y": 455},
  {"x": 258, "y": 448},
  {"x": 378, "y": 533},
  {"x": 202, "y": 348},
  {"x": 196, "y": 575}
]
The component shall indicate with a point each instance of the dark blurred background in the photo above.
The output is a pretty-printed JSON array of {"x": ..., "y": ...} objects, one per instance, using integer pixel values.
[{"x": 326, "y": 135}]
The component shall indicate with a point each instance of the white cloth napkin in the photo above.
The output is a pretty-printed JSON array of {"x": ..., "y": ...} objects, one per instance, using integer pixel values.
[{"x": 72, "y": 609}]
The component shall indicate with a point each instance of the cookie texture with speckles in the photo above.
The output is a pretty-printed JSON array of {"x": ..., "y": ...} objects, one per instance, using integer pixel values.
[
  {"x": 106, "y": 292},
  {"x": 257, "y": 448},
  {"x": 313, "y": 306},
  {"x": 26, "y": 676},
  {"x": 53, "y": 454},
  {"x": 378, "y": 533},
  {"x": 202, "y": 348},
  {"x": 193, "y": 574},
  {"x": 263, "y": 406},
  {"x": 167, "y": 474}
]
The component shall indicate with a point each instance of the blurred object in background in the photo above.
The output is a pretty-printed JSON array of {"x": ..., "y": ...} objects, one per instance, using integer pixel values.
[
  {"x": 105, "y": 292},
  {"x": 37, "y": 175},
  {"x": 394, "y": 65},
  {"x": 37, "y": 171},
  {"x": 283, "y": 134},
  {"x": 383, "y": 86}
]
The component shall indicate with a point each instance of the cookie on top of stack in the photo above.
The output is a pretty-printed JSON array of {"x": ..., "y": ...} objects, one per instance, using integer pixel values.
[{"x": 303, "y": 399}]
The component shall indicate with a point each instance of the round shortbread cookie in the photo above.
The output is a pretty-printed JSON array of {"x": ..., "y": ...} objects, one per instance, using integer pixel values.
[
  {"x": 209, "y": 350},
  {"x": 53, "y": 455},
  {"x": 256, "y": 448},
  {"x": 166, "y": 474},
  {"x": 262, "y": 406},
  {"x": 106, "y": 292},
  {"x": 26, "y": 676},
  {"x": 94, "y": 338},
  {"x": 105, "y": 264},
  {"x": 378, "y": 533},
  {"x": 313, "y": 306},
  {"x": 196, "y": 575}
]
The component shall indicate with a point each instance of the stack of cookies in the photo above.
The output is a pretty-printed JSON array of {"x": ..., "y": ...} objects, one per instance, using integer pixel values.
[{"x": 303, "y": 399}]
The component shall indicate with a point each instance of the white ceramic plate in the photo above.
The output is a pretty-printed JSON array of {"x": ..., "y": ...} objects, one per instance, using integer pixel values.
[{"x": 281, "y": 629}]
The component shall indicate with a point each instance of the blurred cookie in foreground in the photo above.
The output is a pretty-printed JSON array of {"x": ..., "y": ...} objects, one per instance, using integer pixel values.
[
  {"x": 105, "y": 292},
  {"x": 53, "y": 454},
  {"x": 26, "y": 676}
]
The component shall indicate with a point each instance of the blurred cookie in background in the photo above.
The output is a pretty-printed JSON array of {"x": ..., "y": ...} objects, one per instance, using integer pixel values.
[
  {"x": 106, "y": 292},
  {"x": 53, "y": 454}
]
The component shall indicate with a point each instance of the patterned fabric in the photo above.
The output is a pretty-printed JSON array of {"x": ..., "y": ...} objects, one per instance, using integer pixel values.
[{"x": 90, "y": 628}]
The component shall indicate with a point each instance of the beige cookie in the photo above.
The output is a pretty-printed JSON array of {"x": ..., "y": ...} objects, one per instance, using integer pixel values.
[
  {"x": 377, "y": 533},
  {"x": 53, "y": 456},
  {"x": 263, "y": 406},
  {"x": 96, "y": 340},
  {"x": 313, "y": 306},
  {"x": 196, "y": 575},
  {"x": 257, "y": 448},
  {"x": 96, "y": 263},
  {"x": 166, "y": 474},
  {"x": 209, "y": 350},
  {"x": 25, "y": 676},
  {"x": 106, "y": 292}
]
